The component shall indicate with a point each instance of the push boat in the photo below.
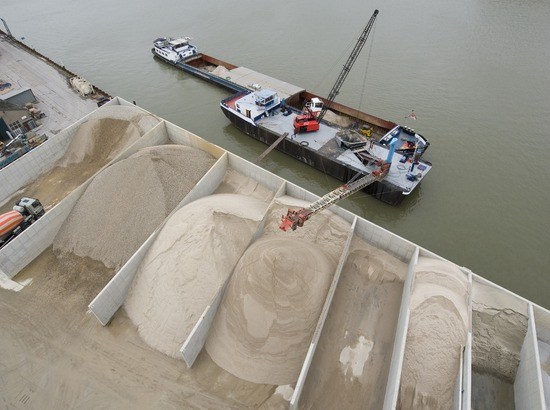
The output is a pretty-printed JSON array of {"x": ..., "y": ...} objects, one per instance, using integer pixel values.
[
  {"x": 347, "y": 144},
  {"x": 174, "y": 49}
]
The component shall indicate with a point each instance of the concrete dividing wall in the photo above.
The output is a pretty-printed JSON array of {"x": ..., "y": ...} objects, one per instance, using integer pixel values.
[
  {"x": 385, "y": 240},
  {"x": 34, "y": 163},
  {"x": 180, "y": 136},
  {"x": 542, "y": 321},
  {"x": 467, "y": 375},
  {"x": 264, "y": 177},
  {"x": 396, "y": 365},
  {"x": 112, "y": 296},
  {"x": 467, "y": 364},
  {"x": 457, "y": 398},
  {"x": 197, "y": 338},
  {"x": 322, "y": 318},
  {"x": 528, "y": 390},
  {"x": 35, "y": 239}
]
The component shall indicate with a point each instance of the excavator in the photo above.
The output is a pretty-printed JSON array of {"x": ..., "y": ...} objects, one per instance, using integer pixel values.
[
  {"x": 296, "y": 218},
  {"x": 309, "y": 120}
]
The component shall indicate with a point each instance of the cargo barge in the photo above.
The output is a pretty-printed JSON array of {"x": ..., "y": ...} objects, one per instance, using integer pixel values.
[{"x": 268, "y": 121}]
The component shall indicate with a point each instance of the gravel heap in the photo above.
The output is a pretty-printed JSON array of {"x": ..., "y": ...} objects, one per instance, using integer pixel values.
[{"x": 126, "y": 202}]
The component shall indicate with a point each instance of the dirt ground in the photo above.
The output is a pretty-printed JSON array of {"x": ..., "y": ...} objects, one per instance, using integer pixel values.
[{"x": 55, "y": 355}]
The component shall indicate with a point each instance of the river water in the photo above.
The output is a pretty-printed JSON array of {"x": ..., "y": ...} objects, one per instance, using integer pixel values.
[{"x": 476, "y": 73}]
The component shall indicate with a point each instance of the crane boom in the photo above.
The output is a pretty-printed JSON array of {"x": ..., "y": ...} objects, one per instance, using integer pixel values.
[
  {"x": 294, "y": 219},
  {"x": 347, "y": 67}
]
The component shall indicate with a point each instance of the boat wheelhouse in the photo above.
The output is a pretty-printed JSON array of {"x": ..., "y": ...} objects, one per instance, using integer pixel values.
[{"x": 174, "y": 49}]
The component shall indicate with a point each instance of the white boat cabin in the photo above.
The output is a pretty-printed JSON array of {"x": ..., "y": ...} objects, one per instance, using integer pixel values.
[
  {"x": 174, "y": 49},
  {"x": 315, "y": 105},
  {"x": 258, "y": 104}
]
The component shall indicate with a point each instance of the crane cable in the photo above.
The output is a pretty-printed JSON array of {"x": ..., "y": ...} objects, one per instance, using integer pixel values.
[{"x": 362, "y": 95}]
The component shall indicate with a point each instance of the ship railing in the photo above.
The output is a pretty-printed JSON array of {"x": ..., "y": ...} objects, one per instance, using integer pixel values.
[{"x": 233, "y": 96}]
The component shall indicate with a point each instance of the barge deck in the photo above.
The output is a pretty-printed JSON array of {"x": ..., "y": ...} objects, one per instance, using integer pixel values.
[{"x": 320, "y": 150}]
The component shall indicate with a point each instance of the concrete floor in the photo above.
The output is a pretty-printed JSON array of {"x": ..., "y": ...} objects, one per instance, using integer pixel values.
[{"x": 62, "y": 105}]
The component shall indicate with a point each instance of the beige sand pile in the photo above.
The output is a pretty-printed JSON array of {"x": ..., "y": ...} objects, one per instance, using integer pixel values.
[
  {"x": 437, "y": 333},
  {"x": 340, "y": 120},
  {"x": 107, "y": 132},
  {"x": 269, "y": 310},
  {"x": 499, "y": 323},
  {"x": 221, "y": 71},
  {"x": 264, "y": 325},
  {"x": 190, "y": 259},
  {"x": 351, "y": 364},
  {"x": 142, "y": 120},
  {"x": 234, "y": 182},
  {"x": 126, "y": 202},
  {"x": 98, "y": 141}
]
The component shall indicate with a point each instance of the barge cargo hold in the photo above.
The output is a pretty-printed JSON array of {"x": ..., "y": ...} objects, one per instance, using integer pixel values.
[{"x": 320, "y": 150}]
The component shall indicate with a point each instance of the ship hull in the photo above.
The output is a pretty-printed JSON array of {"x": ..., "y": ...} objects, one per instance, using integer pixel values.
[{"x": 381, "y": 190}]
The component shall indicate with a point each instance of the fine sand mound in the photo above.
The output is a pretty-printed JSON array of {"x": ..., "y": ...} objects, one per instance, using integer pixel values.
[
  {"x": 190, "y": 259},
  {"x": 143, "y": 121},
  {"x": 126, "y": 202},
  {"x": 221, "y": 71},
  {"x": 437, "y": 333},
  {"x": 263, "y": 327},
  {"x": 98, "y": 141},
  {"x": 340, "y": 120},
  {"x": 265, "y": 322},
  {"x": 106, "y": 133},
  {"x": 499, "y": 324}
]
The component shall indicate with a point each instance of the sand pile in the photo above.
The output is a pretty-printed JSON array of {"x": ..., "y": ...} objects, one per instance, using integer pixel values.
[
  {"x": 437, "y": 332},
  {"x": 190, "y": 259},
  {"x": 143, "y": 121},
  {"x": 264, "y": 325},
  {"x": 351, "y": 364},
  {"x": 234, "y": 182},
  {"x": 340, "y": 120},
  {"x": 270, "y": 309},
  {"x": 107, "y": 132},
  {"x": 499, "y": 324},
  {"x": 221, "y": 71},
  {"x": 98, "y": 141},
  {"x": 126, "y": 202}
]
